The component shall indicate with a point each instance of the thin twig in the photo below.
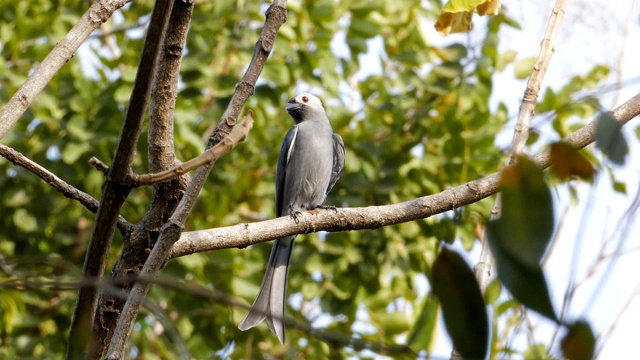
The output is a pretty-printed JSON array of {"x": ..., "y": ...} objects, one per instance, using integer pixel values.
[
  {"x": 58, "y": 184},
  {"x": 629, "y": 23},
  {"x": 603, "y": 336},
  {"x": 237, "y": 135},
  {"x": 98, "y": 13},
  {"x": 556, "y": 236}
]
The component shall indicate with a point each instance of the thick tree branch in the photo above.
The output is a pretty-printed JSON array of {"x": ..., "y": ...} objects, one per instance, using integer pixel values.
[
  {"x": 373, "y": 217},
  {"x": 60, "y": 185},
  {"x": 114, "y": 193},
  {"x": 237, "y": 135},
  {"x": 98, "y": 13},
  {"x": 166, "y": 195},
  {"x": 164, "y": 92},
  {"x": 276, "y": 16}
]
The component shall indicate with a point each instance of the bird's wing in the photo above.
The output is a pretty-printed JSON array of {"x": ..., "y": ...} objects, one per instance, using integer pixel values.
[
  {"x": 338, "y": 161},
  {"x": 285, "y": 155}
]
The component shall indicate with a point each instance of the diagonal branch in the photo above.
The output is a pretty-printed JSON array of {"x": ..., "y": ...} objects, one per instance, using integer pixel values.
[
  {"x": 98, "y": 13},
  {"x": 275, "y": 16},
  {"x": 60, "y": 185},
  {"x": 373, "y": 217},
  {"x": 237, "y": 135},
  {"x": 114, "y": 193}
]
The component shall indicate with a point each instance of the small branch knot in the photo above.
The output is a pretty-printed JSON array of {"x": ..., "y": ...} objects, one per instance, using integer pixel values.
[
  {"x": 231, "y": 121},
  {"x": 174, "y": 50},
  {"x": 99, "y": 165}
]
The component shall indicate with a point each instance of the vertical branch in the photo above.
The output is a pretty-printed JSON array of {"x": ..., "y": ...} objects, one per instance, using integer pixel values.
[
  {"x": 114, "y": 194},
  {"x": 521, "y": 131},
  {"x": 275, "y": 16},
  {"x": 482, "y": 269},
  {"x": 98, "y": 13},
  {"x": 161, "y": 156},
  {"x": 527, "y": 108}
]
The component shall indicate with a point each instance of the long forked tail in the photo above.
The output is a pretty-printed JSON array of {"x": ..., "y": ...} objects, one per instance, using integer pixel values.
[{"x": 270, "y": 301}]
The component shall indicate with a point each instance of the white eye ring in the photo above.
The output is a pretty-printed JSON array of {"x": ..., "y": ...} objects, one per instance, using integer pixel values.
[{"x": 305, "y": 99}]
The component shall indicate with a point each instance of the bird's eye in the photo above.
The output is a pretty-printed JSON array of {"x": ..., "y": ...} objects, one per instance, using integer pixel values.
[{"x": 305, "y": 99}]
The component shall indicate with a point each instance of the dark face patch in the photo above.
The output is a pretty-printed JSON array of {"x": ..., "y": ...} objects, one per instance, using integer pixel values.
[{"x": 298, "y": 110}]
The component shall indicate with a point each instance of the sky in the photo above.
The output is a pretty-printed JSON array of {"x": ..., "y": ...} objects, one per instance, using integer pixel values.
[{"x": 593, "y": 32}]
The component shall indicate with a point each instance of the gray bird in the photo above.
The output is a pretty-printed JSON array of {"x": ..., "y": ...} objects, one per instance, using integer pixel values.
[{"x": 311, "y": 161}]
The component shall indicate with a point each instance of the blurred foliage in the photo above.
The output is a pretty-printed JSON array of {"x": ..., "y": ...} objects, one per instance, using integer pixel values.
[
  {"x": 463, "y": 308},
  {"x": 414, "y": 115},
  {"x": 520, "y": 237}
]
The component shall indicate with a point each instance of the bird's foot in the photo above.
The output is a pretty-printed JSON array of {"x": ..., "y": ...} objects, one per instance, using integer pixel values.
[
  {"x": 328, "y": 207},
  {"x": 294, "y": 215}
]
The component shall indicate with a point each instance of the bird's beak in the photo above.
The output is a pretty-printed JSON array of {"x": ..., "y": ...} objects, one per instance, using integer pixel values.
[{"x": 291, "y": 105}]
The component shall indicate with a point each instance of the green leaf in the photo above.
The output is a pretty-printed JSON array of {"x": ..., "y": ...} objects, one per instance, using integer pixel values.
[
  {"x": 536, "y": 352},
  {"x": 505, "y": 59},
  {"x": 17, "y": 198},
  {"x": 519, "y": 238},
  {"x": 394, "y": 323},
  {"x": 579, "y": 343},
  {"x": 492, "y": 292},
  {"x": 610, "y": 140},
  {"x": 526, "y": 223},
  {"x": 463, "y": 308},
  {"x": 72, "y": 151},
  {"x": 365, "y": 28},
  {"x": 526, "y": 284},
  {"x": 620, "y": 187},
  {"x": 123, "y": 93},
  {"x": 451, "y": 53},
  {"x": 422, "y": 335},
  {"x": 462, "y": 5},
  {"x": 24, "y": 220},
  {"x": 524, "y": 67}
]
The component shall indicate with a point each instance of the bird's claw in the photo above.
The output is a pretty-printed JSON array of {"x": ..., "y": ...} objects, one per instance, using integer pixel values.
[
  {"x": 294, "y": 215},
  {"x": 328, "y": 207}
]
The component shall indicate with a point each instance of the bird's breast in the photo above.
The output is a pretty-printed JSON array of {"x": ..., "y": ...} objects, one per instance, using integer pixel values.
[{"x": 309, "y": 169}]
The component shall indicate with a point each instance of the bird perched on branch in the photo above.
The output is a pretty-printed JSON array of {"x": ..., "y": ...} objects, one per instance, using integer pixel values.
[{"x": 311, "y": 161}]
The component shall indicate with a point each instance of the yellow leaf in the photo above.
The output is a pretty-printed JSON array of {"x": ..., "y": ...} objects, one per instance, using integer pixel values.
[
  {"x": 457, "y": 14},
  {"x": 566, "y": 161},
  {"x": 491, "y": 7},
  {"x": 453, "y": 22}
]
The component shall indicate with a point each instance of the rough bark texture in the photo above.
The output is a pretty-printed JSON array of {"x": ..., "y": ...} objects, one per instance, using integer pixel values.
[
  {"x": 139, "y": 242},
  {"x": 170, "y": 232},
  {"x": 113, "y": 192}
]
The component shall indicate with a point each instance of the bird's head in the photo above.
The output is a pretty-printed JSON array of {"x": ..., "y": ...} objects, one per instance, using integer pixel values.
[{"x": 305, "y": 107}]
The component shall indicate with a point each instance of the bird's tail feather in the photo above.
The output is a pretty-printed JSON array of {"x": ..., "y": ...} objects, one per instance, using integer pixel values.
[{"x": 270, "y": 301}]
